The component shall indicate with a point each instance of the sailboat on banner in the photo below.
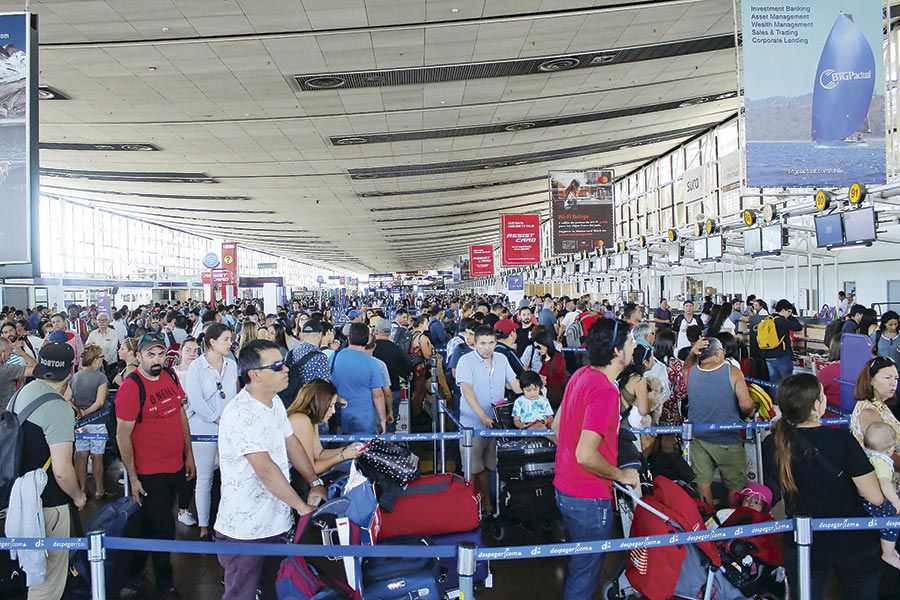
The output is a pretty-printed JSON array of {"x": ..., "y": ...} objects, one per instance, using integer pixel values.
[{"x": 844, "y": 86}]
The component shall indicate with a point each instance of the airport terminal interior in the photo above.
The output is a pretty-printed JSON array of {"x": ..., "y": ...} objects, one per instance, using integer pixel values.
[{"x": 627, "y": 268}]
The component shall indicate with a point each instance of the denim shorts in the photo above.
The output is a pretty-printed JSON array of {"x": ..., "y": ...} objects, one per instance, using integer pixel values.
[{"x": 92, "y": 446}]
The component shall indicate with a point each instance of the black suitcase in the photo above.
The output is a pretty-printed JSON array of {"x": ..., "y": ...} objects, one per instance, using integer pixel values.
[
  {"x": 393, "y": 578},
  {"x": 526, "y": 459},
  {"x": 529, "y": 501}
]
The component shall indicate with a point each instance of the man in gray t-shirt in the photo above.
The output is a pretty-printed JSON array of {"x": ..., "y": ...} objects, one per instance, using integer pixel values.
[{"x": 11, "y": 373}]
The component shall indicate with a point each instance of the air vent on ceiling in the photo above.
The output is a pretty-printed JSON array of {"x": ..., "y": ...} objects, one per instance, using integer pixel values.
[
  {"x": 522, "y": 159},
  {"x": 509, "y": 68},
  {"x": 100, "y": 147},
  {"x": 453, "y": 188},
  {"x": 559, "y": 64},
  {"x": 348, "y": 141},
  {"x": 616, "y": 113},
  {"x": 45, "y": 92},
  {"x": 134, "y": 176}
]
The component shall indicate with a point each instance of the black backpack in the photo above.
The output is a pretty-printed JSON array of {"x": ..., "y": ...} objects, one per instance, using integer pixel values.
[
  {"x": 831, "y": 330},
  {"x": 12, "y": 441},
  {"x": 142, "y": 391},
  {"x": 296, "y": 380}
]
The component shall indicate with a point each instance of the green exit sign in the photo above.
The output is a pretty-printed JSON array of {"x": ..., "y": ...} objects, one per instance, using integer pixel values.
[{"x": 267, "y": 265}]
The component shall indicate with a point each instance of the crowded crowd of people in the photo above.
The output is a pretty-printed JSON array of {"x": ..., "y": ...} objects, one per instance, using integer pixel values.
[{"x": 268, "y": 385}]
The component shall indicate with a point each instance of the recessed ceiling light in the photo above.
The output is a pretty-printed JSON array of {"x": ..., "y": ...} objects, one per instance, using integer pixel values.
[
  {"x": 165, "y": 29},
  {"x": 151, "y": 68},
  {"x": 454, "y": 10}
]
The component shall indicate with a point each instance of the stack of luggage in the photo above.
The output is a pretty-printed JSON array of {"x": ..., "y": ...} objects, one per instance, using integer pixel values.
[
  {"x": 525, "y": 470},
  {"x": 432, "y": 510}
]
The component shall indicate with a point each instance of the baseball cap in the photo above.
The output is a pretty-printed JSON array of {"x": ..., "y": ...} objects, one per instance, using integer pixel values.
[
  {"x": 57, "y": 336},
  {"x": 505, "y": 326},
  {"x": 148, "y": 340},
  {"x": 383, "y": 326},
  {"x": 353, "y": 314},
  {"x": 524, "y": 303},
  {"x": 54, "y": 361},
  {"x": 312, "y": 326}
]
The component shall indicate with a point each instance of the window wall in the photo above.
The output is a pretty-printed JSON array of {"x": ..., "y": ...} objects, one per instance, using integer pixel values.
[{"x": 83, "y": 241}]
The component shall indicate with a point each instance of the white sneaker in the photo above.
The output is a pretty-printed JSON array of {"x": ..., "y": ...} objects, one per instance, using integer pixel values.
[{"x": 186, "y": 518}]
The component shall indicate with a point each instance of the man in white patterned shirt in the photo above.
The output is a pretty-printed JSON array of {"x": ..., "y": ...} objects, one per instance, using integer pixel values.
[{"x": 256, "y": 450}]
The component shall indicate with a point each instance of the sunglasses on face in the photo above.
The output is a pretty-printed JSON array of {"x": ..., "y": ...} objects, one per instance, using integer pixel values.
[{"x": 275, "y": 366}]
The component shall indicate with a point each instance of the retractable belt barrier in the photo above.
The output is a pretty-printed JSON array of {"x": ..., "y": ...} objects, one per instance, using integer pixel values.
[{"x": 96, "y": 543}]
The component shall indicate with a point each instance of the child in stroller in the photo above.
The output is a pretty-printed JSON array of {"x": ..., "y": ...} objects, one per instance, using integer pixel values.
[{"x": 694, "y": 571}]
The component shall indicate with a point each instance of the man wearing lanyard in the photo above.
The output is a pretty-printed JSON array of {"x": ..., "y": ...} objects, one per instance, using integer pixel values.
[{"x": 482, "y": 377}]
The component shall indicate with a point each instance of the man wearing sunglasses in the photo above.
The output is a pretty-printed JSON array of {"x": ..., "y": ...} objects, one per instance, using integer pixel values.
[
  {"x": 155, "y": 443},
  {"x": 256, "y": 449}
]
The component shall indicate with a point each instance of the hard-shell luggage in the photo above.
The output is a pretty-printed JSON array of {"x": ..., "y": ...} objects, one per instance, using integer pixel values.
[
  {"x": 121, "y": 518},
  {"x": 526, "y": 458},
  {"x": 433, "y": 505},
  {"x": 394, "y": 578},
  {"x": 529, "y": 501},
  {"x": 451, "y": 570}
]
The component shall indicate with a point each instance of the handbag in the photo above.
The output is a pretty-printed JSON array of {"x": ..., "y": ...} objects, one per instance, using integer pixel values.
[{"x": 394, "y": 461}]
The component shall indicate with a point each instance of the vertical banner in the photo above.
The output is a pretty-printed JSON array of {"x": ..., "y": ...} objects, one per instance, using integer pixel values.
[
  {"x": 817, "y": 119},
  {"x": 481, "y": 260},
  {"x": 581, "y": 207},
  {"x": 18, "y": 145},
  {"x": 229, "y": 259},
  {"x": 520, "y": 240},
  {"x": 103, "y": 305}
]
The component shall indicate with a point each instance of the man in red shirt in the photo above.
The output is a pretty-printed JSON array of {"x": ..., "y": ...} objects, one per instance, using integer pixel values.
[
  {"x": 155, "y": 443},
  {"x": 587, "y": 425}
]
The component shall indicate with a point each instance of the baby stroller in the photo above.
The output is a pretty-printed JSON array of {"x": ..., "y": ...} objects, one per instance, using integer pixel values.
[
  {"x": 690, "y": 571},
  {"x": 525, "y": 496}
]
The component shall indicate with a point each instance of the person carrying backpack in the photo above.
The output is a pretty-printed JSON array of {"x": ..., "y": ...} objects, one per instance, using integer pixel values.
[
  {"x": 774, "y": 340},
  {"x": 305, "y": 362},
  {"x": 154, "y": 440},
  {"x": 42, "y": 425}
]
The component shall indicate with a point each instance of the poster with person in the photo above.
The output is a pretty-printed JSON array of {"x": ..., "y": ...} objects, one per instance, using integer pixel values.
[{"x": 581, "y": 210}]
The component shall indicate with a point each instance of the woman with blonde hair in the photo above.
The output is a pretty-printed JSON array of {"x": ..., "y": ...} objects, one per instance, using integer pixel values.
[
  {"x": 315, "y": 404},
  {"x": 87, "y": 393},
  {"x": 249, "y": 332}
]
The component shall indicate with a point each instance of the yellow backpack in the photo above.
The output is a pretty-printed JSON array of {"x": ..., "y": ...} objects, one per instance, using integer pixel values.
[{"x": 767, "y": 334}]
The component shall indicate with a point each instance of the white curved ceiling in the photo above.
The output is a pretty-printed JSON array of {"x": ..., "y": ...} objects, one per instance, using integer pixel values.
[{"x": 246, "y": 154}]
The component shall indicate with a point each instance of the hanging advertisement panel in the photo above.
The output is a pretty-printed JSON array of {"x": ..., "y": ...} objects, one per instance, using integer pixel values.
[
  {"x": 18, "y": 145},
  {"x": 818, "y": 120},
  {"x": 581, "y": 210},
  {"x": 481, "y": 260},
  {"x": 520, "y": 240}
]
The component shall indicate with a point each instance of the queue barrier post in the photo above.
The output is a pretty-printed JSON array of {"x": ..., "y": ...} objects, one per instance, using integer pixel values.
[
  {"x": 468, "y": 433},
  {"x": 435, "y": 407},
  {"x": 757, "y": 444},
  {"x": 687, "y": 436},
  {"x": 96, "y": 556},
  {"x": 442, "y": 428},
  {"x": 465, "y": 554},
  {"x": 803, "y": 538}
]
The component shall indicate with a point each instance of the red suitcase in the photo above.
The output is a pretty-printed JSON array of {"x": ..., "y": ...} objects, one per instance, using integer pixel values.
[{"x": 433, "y": 505}]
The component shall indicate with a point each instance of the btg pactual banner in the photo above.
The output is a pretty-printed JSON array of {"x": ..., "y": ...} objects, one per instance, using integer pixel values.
[
  {"x": 818, "y": 119},
  {"x": 581, "y": 207}
]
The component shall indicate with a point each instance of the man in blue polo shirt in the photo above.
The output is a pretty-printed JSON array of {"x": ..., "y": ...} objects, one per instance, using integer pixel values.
[
  {"x": 483, "y": 376},
  {"x": 358, "y": 379}
]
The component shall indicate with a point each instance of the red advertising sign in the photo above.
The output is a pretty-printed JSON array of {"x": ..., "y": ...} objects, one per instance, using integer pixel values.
[
  {"x": 229, "y": 259},
  {"x": 520, "y": 240},
  {"x": 481, "y": 260},
  {"x": 222, "y": 276}
]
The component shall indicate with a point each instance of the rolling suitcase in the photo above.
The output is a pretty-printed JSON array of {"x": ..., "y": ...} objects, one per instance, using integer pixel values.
[
  {"x": 392, "y": 578},
  {"x": 121, "y": 518},
  {"x": 526, "y": 459},
  {"x": 433, "y": 505},
  {"x": 529, "y": 501}
]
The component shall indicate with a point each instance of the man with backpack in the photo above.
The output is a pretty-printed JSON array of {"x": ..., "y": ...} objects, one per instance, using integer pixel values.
[
  {"x": 155, "y": 444},
  {"x": 46, "y": 433},
  {"x": 306, "y": 362},
  {"x": 774, "y": 339}
]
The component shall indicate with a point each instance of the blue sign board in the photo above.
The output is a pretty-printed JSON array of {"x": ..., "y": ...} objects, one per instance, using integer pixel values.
[{"x": 211, "y": 260}]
